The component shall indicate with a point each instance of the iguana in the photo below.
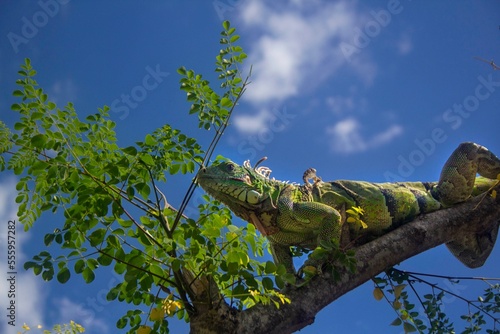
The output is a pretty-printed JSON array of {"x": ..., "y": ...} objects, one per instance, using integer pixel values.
[{"x": 290, "y": 214}]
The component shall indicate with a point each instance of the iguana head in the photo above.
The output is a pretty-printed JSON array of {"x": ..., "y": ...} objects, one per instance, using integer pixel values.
[
  {"x": 246, "y": 190},
  {"x": 233, "y": 184}
]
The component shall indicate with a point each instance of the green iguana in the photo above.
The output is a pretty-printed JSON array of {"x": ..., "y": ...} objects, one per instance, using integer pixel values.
[{"x": 303, "y": 215}]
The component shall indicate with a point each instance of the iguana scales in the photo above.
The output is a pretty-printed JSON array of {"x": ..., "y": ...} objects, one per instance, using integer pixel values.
[{"x": 302, "y": 215}]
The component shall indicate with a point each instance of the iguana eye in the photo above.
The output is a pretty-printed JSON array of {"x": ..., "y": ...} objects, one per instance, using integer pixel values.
[{"x": 230, "y": 167}]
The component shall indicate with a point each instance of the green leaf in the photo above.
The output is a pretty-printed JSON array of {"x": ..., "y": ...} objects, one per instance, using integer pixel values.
[
  {"x": 104, "y": 260},
  {"x": 29, "y": 264},
  {"x": 181, "y": 70},
  {"x": 114, "y": 241},
  {"x": 18, "y": 93},
  {"x": 190, "y": 167},
  {"x": 225, "y": 102},
  {"x": 122, "y": 322},
  {"x": 130, "y": 150},
  {"x": 226, "y": 25},
  {"x": 15, "y": 107},
  {"x": 211, "y": 232},
  {"x": 88, "y": 275},
  {"x": 130, "y": 193},
  {"x": 143, "y": 189},
  {"x": 234, "y": 38},
  {"x": 280, "y": 283},
  {"x": 125, "y": 223},
  {"x": 147, "y": 159},
  {"x": 79, "y": 266},
  {"x": 47, "y": 275},
  {"x": 97, "y": 237},
  {"x": 396, "y": 322},
  {"x": 267, "y": 283},
  {"x": 157, "y": 272},
  {"x": 112, "y": 294},
  {"x": 150, "y": 140},
  {"x": 137, "y": 260},
  {"x": 232, "y": 268},
  {"x": 319, "y": 254},
  {"x": 63, "y": 275},
  {"x": 174, "y": 169},
  {"x": 281, "y": 270},
  {"x": 409, "y": 328},
  {"x": 289, "y": 278},
  {"x": 19, "y": 126},
  {"x": 47, "y": 240},
  {"x": 37, "y": 269},
  {"x": 39, "y": 140}
]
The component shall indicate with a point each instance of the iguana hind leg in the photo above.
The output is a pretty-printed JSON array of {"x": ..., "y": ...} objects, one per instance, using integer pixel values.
[{"x": 455, "y": 185}]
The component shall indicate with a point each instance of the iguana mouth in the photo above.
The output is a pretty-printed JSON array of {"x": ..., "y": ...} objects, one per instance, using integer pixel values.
[{"x": 245, "y": 179}]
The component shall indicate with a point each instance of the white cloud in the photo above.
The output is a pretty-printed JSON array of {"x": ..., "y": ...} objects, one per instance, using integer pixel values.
[
  {"x": 404, "y": 44},
  {"x": 29, "y": 292},
  {"x": 340, "y": 104},
  {"x": 31, "y": 297},
  {"x": 296, "y": 45},
  {"x": 346, "y": 136},
  {"x": 252, "y": 123},
  {"x": 68, "y": 310},
  {"x": 384, "y": 137},
  {"x": 364, "y": 68},
  {"x": 8, "y": 208},
  {"x": 63, "y": 91},
  {"x": 254, "y": 12}
]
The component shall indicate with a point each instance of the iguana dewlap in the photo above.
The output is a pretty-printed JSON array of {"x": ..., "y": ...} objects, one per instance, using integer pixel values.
[{"x": 303, "y": 215}]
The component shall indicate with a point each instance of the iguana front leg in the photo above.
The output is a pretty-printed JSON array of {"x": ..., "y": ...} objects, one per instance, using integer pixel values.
[
  {"x": 310, "y": 174},
  {"x": 455, "y": 185},
  {"x": 304, "y": 224},
  {"x": 282, "y": 255}
]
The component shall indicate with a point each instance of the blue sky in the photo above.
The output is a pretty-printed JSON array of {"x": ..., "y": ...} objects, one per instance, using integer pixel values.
[{"x": 367, "y": 90}]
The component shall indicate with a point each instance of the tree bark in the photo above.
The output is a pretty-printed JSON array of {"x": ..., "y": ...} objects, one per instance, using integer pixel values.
[{"x": 372, "y": 258}]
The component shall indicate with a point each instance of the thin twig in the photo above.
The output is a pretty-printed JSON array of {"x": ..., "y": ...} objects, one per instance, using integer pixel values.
[{"x": 491, "y": 62}]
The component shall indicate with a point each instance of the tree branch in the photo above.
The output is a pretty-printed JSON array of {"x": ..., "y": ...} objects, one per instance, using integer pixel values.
[{"x": 428, "y": 231}]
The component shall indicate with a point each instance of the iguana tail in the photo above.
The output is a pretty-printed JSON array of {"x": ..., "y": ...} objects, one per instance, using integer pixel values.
[{"x": 456, "y": 184}]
